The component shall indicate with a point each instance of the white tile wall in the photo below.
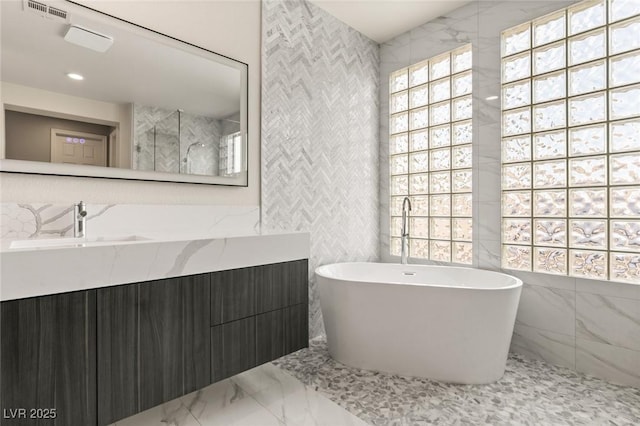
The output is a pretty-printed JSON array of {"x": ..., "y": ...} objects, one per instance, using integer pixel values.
[
  {"x": 548, "y": 309},
  {"x": 613, "y": 363},
  {"x": 535, "y": 343},
  {"x": 609, "y": 320}
]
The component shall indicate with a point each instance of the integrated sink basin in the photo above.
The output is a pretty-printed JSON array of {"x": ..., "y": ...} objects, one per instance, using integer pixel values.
[{"x": 76, "y": 242}]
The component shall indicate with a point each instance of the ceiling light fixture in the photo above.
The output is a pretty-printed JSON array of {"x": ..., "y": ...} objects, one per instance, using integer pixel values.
[
  {"x": 88, "y": 38},
  {"x": 74, "y": 76},
  {"x": 491, "y": 98}
]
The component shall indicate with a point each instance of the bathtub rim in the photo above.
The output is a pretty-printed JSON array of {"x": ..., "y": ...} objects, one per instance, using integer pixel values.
[{"x": 518, "y": 283}]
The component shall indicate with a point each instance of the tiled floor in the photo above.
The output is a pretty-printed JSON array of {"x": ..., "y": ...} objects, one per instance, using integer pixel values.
[
  {"x": 324, "y": 392},
  {"x": 530, "y": 393},
  {"x": 263, "y": 396}
]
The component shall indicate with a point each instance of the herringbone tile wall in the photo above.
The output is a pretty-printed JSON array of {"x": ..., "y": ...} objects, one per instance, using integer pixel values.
[{"x": 319, "y": 135}]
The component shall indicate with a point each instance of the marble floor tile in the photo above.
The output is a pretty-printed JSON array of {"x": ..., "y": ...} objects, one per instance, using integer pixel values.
[
  {"x": 310, "y": 388},
  {"x": 224, "y": 404},
  {"x": 263, "y": 396},
  {"x": 172, "y": 413},
  {"x": 291, "y": 401},
  {"x": 259, "y": 378}
]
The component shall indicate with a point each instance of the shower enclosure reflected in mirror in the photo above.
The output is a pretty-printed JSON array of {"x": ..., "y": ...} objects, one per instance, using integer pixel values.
[
  {"x": 87, "y": 94},
  {"x": 179, "y": 142}
]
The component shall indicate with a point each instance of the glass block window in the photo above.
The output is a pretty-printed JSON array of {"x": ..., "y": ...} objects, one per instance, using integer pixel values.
[
  {"x": 430, "y": 156},
  {"x": 230, "y": 162},
  {"x": 571, "y": 142}
]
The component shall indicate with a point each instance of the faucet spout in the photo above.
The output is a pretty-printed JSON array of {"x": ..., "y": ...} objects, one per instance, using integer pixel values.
[
  {"x": 404, "y": 232},
  {"x": 79, "y": 220}
]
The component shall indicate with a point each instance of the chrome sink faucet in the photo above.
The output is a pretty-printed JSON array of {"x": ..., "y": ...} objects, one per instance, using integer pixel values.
[
  {"x": 404, "y": 232},
  {"x": 79, "y": 220}
]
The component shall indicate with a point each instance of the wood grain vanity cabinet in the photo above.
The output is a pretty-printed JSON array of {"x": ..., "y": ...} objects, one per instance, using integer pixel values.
[
  {"x": 281, "y": 303},
  {"x": 153, "y": 344},
  {"x": 101, "y": 355},
  {"x": 254, "y": 313},
  {"x": 48, "y": 360},
  {"x": 281, "y": 332}
]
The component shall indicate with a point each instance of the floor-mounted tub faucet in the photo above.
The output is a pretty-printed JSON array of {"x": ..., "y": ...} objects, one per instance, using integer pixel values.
[
  {"x": 404, "y": 232},
  {"x": 79, "y": 219}
]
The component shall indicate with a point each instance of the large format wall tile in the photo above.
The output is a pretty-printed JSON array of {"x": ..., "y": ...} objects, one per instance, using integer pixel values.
[
  {"x": 319, "y": 135},
  {"x": 488, "y": 254},
  {"x": 547, "y": 309},
  {"x": 554, "y": 348},
  {"x": 612, "y": 363},
  {"x": 489, "y": 154},
  {"x": 545, "y": 280},
  {"x": 610, "y": 320},
  {"x": 608, "y": 288}
]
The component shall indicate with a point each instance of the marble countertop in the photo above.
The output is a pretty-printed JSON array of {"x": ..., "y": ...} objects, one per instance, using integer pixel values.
[{"x": 41, "y": 271}]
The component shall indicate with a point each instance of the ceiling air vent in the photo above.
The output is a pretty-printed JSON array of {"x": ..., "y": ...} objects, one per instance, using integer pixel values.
[
  {"x": 58, "y": 12},
  {"x": 36, "y": 6},
  {"x": 44, "y": 10}
]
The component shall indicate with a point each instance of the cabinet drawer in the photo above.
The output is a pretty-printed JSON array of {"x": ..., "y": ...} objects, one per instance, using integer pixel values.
[
  {"x": 232, "y": 295},
  {"x": 280, "y": 285},
  {"x": 281, "y": 332},
  {"x": 233, "y": 348},
  {"x": 241, "y": 293}
]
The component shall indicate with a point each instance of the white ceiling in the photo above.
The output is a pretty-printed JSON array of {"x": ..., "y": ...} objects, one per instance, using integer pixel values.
[
  {"x": 141, "y": 67},
  {"x": 382, "y": 20},
  {"x": 138, "y": 69}
]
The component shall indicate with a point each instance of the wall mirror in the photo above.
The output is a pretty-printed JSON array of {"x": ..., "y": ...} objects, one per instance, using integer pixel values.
[{"x": 87, "y": 94}]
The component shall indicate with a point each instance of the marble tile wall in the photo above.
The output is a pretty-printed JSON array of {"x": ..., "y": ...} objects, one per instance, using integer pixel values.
[
  {"x": 24, "y": 221},
  {"x": 319, "y": 135},
  {"x": 591, "y": 326}
]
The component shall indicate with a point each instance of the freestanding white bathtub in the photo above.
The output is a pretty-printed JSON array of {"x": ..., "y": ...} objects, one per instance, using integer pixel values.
[{"x": 444, "y": 323}]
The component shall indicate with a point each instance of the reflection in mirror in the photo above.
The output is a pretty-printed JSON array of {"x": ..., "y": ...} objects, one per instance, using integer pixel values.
[
  {"x": 92, "y": 95},
  {"x": 179, "y": 142}
]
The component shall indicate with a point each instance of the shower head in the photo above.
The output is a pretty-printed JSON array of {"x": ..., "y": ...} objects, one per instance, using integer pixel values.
[{"x": 201, "y": 144}]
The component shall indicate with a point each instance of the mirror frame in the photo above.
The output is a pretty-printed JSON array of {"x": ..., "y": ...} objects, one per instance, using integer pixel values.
[{"x": 77, "y": 170}]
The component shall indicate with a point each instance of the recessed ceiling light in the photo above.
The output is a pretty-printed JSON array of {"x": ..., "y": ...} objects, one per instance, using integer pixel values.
[
  {"x": 74, "y": 76},
  {"x": 491, "y": 98}
]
